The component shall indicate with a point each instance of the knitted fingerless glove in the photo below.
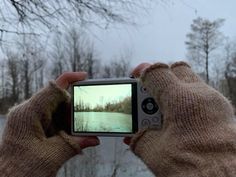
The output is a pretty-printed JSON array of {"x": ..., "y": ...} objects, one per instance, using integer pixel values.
[
  {"x": 198, "y": 137},
  {"x": 26, "y": 150}
]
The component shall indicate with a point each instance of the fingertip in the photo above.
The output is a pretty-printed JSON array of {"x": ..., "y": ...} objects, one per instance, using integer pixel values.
[
  {"x": 77, "y": 76},
  {"x": 82, "y": 74},
  {"x": 85, "y": 142},
  {"x": 127, "y": 140},
  {"x": 68, "y": 78},
  {"x": 140, "y": 69}
]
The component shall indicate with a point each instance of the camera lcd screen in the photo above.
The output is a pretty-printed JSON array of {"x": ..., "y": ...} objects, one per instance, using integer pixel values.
[{"x": 104, "y": 108}]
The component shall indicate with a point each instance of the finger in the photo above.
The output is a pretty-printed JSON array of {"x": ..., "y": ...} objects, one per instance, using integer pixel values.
[
  {"x": 63, "y": 146},
  {"x": 157, "y": 78},
  {"x": 68, "y": 78},
  {"x": 140, "y": 69},
  {"x": 85, "y": 142},
  {"x": 184, "y": 72},
  {"x": 127, "y": 140},
  {"x": 79, "y": 142}
]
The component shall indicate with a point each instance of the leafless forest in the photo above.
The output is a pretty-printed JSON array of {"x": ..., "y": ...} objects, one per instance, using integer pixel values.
[
  {"x": 29, "y": 66},
  {"x": 28, "y": 61}
]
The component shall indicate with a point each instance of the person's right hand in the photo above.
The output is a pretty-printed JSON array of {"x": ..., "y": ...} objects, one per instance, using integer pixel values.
[{"x": 198, "y": 135}]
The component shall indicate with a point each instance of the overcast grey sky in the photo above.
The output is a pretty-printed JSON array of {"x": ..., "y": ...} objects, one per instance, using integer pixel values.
[{"x": 161, "y": 33}]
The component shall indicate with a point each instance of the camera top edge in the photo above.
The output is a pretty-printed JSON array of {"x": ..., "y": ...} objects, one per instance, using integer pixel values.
[{"x": 107, "y": 81}]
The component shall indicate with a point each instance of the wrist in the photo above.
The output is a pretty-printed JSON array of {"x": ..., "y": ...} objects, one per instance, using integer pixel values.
[
  {"x": 21, "y": 162},
  {"x": 145, "y": 140}
]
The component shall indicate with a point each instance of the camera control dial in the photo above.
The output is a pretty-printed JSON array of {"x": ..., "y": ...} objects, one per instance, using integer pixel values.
[{"x": 149, "y": 106}]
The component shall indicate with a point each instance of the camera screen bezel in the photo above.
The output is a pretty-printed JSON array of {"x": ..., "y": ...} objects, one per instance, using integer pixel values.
[{"x": 134, "y": 96}]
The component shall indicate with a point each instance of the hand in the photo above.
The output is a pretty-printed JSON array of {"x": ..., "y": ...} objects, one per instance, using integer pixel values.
[
  {"x": 198, "y": 132},
  {"x": 26, "y": 150},
  {"x": 64, "y": 81}
]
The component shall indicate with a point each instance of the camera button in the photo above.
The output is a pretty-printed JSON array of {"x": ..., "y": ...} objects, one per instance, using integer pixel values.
[
  {"x": 150, "y": 106},
  {"x": 145, "y": 122},
  {"x": 155, "y": 119},
  {"x": 143, "y": 89}
]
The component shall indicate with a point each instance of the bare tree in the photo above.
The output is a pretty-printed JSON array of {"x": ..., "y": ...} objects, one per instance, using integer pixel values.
[
  {"x": 39, "y": 64},
  {"x": 27, "y": 16},
  {"x": 116, "y": 68},
  {"x": 13, "y": 68},
  {"x": 89, "y": 65},
  {"x": 217, "y": 74},
  {"x": 107, "y": 71},
  {"x": 30, "y": 61},
  {"x": 119, "y": 67},
  {"x": 204, "y": 38},
  {"x": 5, "y": 102},
  {"x": 57, "y": 53},
  {"x": 230, "y": 76},
  {"x": 74, "y": 50},
  {"x": 3, "y": 75},
  {"x": 80, "y": 52},
  {"x": 91, "y": 60}
]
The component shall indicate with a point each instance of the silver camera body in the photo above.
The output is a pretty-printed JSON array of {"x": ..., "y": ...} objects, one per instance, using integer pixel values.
[{"x": 112, "y": 107}]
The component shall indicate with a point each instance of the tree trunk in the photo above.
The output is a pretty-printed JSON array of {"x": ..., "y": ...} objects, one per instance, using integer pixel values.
[
  {"x": 27, "y": 79},
  {"x": 207, "y": 68},
  {"x": 3, "y": 81}
]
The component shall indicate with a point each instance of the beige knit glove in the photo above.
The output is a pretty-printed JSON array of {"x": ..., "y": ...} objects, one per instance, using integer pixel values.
[
  {"x": 198, "y": 137},
  {"x": 26, "y": 150}
]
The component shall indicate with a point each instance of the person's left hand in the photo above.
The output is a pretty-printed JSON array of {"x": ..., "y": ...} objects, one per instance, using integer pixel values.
[
  {"x": 64, "y": 81},
  {"x": 26, "y": 150}
]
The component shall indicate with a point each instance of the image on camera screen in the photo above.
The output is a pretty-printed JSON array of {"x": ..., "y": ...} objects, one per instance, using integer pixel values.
[{"x": 103, "y": 108}]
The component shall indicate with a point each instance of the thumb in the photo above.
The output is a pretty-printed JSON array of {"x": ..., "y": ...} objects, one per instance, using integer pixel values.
[
  {"x": 64, "y": 146},
  {"x": 79, "y": 143}
]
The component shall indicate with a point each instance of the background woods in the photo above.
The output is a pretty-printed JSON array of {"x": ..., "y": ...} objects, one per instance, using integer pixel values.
[{"x": 27, "y": 67}]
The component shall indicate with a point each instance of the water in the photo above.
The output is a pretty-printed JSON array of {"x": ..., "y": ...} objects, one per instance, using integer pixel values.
[{"x": 103, "y": 122}]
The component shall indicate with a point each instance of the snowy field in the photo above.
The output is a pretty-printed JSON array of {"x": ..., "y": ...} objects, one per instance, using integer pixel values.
[
  {"x": 2, "y": 123},
  {"x": 111, "y": 158}
]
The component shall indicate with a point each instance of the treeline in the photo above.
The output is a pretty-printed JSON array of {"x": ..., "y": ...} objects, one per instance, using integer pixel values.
[
  {"x": 123, "y": 106},
  {"x": 28, "y": 65}
]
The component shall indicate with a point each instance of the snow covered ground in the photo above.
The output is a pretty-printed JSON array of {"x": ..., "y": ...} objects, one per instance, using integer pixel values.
[
  {"x": 2, "y": 123},
  {"x": 111, "y": 157}
]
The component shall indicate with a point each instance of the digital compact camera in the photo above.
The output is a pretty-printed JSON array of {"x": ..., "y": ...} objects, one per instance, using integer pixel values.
[{"x": 112, "y": 107}]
